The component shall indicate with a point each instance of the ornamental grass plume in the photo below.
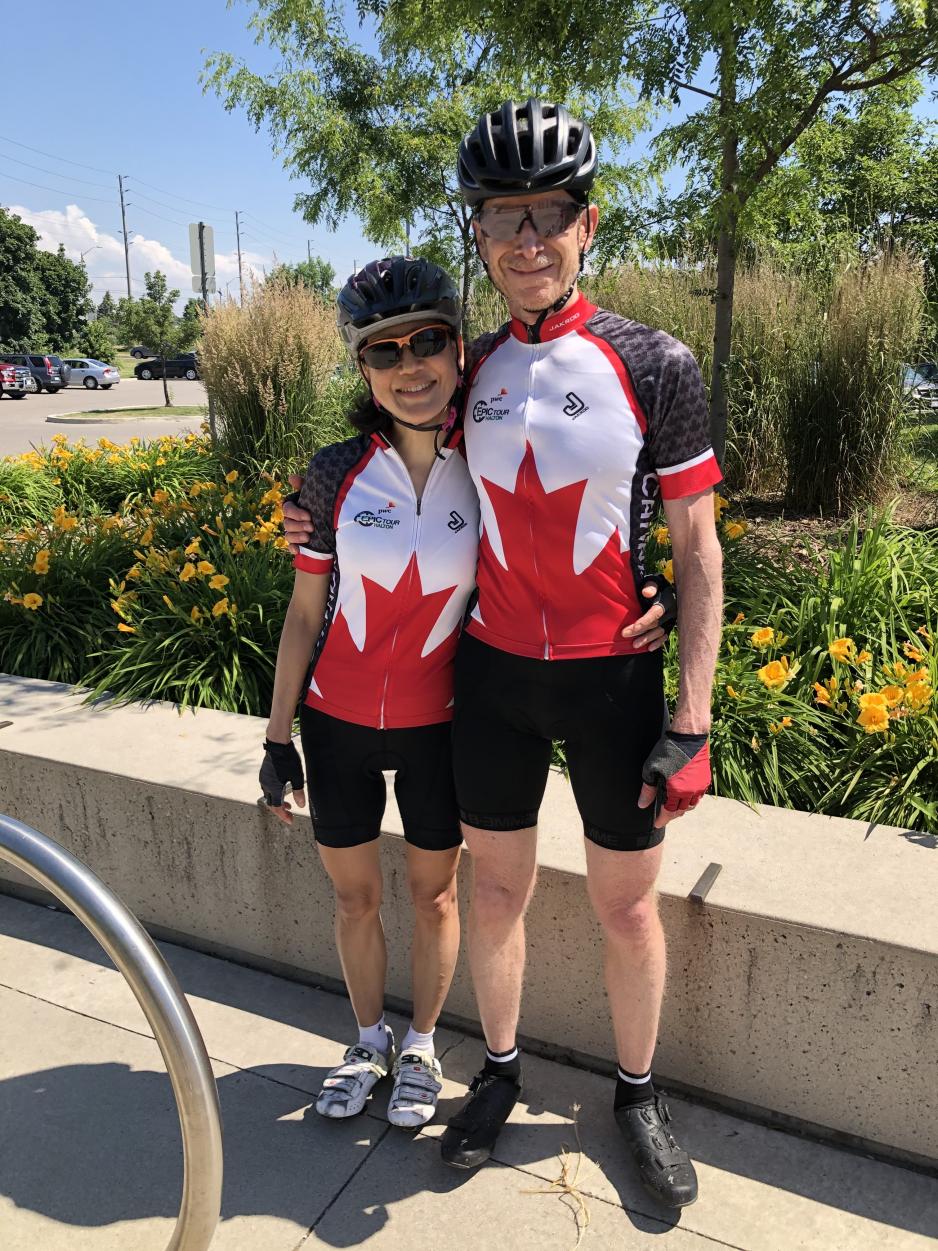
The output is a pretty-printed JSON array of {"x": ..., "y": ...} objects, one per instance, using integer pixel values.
[{"x": 268, "y": 365}]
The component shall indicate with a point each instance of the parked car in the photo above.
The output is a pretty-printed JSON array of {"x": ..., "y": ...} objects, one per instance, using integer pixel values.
[
  {"x": 141, "y": 352},
  {"x": 90, "y": 373},
  {"x": 15, "y": 380},
  {"x": 185, "y": 365},
  {"x": 46, "y": 370},
  {"x": 921, "y": 384}
]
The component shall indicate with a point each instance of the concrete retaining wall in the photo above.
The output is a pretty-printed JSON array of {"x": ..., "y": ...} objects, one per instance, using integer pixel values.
[{"x": 806, "y": 984}]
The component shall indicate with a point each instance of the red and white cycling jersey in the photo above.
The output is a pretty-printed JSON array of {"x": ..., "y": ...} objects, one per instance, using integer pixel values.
[
  {"x": 570, "y": 439},
  {"x": 402, "y": 571}
]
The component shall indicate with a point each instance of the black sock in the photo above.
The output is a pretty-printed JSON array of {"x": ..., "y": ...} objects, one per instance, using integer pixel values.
[
  {"x": 503, "y": 1063},
  {"x": 633, "y": 1089}
]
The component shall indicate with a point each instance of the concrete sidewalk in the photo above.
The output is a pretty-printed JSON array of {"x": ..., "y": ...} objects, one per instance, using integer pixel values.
[{"x": 90, "y": 1154}]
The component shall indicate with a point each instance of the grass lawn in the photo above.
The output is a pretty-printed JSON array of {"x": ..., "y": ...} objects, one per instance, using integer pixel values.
[
  {"x": 92, "y": 415},
  {"x": 124, "y": 362}
]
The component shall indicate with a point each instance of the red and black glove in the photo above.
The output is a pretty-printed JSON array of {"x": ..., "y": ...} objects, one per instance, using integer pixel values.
[
  {"x": 665, "y": 596},
  {"x": 679, "y": 766},
  {"x": 281, "y": 772}
]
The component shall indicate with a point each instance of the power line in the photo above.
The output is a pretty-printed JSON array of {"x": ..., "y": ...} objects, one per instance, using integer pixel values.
[
  {"x": 174, "y": 196},
  {"x": 56, "y": 157},
  {"x": 52, "y": 173},
  {"x": 56, "y": 190},
  {"x": 270, "y": 229},
  {"x": 149, "y": 199}
]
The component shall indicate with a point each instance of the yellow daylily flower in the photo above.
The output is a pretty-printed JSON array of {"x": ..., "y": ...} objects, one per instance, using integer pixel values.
[
  {"x": 232, "y": 476},
  {"x": 874, "y": 719},
  {"x": 666, "y": 566},
  {"x": 775, "y": 674},
  {"x": 918, "y": 696},
  {"x": 194, "y": 547},
  {"x": 32, "y": 601},
  {"x": 720, "y": 505},
  {"x": 739, "y": 618},
  {"x": 762, "y": 637},
  {"x": 187, "y": 572},
  {"x": 892, "y": 695},
  {"x": 843, "y": 649},
  {"x": 205, "y": 566},
  {"x": 41, "y": 563},
  {"x": 662, "y": 534},
  {"x": 734, "y": 694},
  {"x": 864, "y": 656},
  {"x": 228, "y": 499},
  {"x": 913, "y": 652},
  {"x": 125, "y": 628},
  {"x": 735, "y": 529},
  {"x": 219, "y": 582},
  {"x": 220, "y": 607},
  {"x": 196, "y": 613}
]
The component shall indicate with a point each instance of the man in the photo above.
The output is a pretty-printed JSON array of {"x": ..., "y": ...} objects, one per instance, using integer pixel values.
[{"x": 575, "y": 420}]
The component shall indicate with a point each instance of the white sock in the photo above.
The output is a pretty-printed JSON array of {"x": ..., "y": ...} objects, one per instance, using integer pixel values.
[
  {"x": 415, "y": 1041},
  {"x": 374, "y": 1035}
]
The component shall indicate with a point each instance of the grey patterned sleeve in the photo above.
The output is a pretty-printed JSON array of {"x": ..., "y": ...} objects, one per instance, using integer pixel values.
[
  {"x": 670, "y": 391},
  {"x": 324, "y": 478}
]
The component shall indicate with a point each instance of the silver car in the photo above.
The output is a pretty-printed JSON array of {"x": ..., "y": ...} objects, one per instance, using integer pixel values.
[{"x": 91, "y": 373}]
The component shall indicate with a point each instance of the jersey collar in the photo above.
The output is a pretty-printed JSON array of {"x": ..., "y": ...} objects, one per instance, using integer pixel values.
[{"x": 557, "y": 324}]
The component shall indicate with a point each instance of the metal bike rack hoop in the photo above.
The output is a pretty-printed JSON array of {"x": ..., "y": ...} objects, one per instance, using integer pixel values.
[{"x": 165, "y": 1007}]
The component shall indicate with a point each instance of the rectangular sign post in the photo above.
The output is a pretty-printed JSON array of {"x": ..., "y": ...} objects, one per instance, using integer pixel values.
[{"x": 202, "y": 261}]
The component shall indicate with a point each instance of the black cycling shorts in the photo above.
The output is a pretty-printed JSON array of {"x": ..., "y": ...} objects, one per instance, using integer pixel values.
[
  {"x": 608, "y": 711},
  {"x": 347, "y": 792}
]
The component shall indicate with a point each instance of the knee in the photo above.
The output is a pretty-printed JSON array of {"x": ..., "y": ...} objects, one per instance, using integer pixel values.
[
  {"x": 634, "y": 921},
  {"x": 498, "y": 898},
  {"x": 434, "y": 905},
  {"x": 358, "y": 903}
]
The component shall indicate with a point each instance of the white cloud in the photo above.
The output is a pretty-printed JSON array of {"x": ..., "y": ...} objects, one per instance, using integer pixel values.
[{"x": 104, "y": 254}]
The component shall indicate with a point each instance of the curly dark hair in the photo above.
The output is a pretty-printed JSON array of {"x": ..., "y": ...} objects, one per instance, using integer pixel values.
[{"x": 366, "y": 417}]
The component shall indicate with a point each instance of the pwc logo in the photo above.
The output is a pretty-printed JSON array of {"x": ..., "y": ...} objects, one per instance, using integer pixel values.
[{"x": 493, "y": 409}]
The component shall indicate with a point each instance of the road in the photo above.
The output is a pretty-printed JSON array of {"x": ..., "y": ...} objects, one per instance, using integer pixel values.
[{"x": 26, "y": 423}]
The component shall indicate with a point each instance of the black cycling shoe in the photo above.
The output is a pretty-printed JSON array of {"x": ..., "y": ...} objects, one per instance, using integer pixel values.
[
  {"x": 665, "y": 1168},
  {"x": 472, "y": 1133}
]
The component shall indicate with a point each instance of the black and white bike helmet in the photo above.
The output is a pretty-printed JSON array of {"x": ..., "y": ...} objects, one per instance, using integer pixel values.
[
  {"x": 393, "y": 292},
  {"x": 526, "y": 147}
]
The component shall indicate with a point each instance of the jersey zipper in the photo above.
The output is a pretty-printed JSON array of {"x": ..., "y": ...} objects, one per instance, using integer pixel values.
[
  {"x": 535, "y": 356},
  {"x": 415, "y": 544}
]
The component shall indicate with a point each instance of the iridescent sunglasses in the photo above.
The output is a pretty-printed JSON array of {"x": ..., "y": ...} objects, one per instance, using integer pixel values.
[
  {"x": 547, "y": 220},
  {"x": 386, "y": 353}
]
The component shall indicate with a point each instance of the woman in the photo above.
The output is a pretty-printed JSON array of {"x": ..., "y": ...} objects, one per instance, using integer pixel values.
[{"x": 380, "y": 593}]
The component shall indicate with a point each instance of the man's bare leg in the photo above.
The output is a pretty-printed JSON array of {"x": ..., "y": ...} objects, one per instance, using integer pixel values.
[
  {"x": 504, "y": 868},
  {"x": 621, "y": 886}
]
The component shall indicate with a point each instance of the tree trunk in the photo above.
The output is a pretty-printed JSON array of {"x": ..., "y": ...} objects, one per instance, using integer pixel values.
[
  {"x": 165, "y": 383},
  {"x": 726, "y": 248},
  {"x": 468, "y": 247}
]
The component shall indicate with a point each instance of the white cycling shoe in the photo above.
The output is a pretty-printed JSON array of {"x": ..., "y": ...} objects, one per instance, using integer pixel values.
[
  {"x": 418, "y": 1080},
  {"x": 347, "y": 1087}
]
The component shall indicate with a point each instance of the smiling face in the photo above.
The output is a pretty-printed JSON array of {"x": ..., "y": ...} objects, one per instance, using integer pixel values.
[
  {"x": 416, "y": 389},
  {"x": 532, "y": 272}
]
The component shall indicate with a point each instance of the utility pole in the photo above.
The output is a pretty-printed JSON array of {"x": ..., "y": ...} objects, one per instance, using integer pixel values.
[
  {"x": 407, "y": 237},
  {"x": 309, "y": 249},
  {"x": 238, "y": 234},
  {"x": 204, "y": 276},
  {"x": 120, "y": 183}
]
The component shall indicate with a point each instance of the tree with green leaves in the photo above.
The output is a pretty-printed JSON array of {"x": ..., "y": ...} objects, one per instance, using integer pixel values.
[
  {"x": 107, "y": 307},
  {"x": 65, "y": 303},
  {"x": 152, "y": 320},
  {"x": 378, "y": 134},
  {"x": 764, "y": 72},
  {"x": 97, "y": 341},
  {"x": 20, "y": 296},
  {"x": 43, "y": 295},
  {"x": 316, "y": 274}
]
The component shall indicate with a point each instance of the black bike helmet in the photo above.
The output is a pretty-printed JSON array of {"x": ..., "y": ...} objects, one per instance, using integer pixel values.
[
  {"x": 393, "y": 292},
  {"x": 526, "y": 147}
]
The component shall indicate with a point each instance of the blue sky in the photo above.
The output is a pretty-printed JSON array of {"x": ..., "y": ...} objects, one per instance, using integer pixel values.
[{"x": 116, "y": 90}]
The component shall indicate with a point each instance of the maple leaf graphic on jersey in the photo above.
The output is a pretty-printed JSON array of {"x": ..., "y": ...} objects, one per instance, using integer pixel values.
[
  {"x": 390, "y": 670},
  {"x": 538, "y": 586}
]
